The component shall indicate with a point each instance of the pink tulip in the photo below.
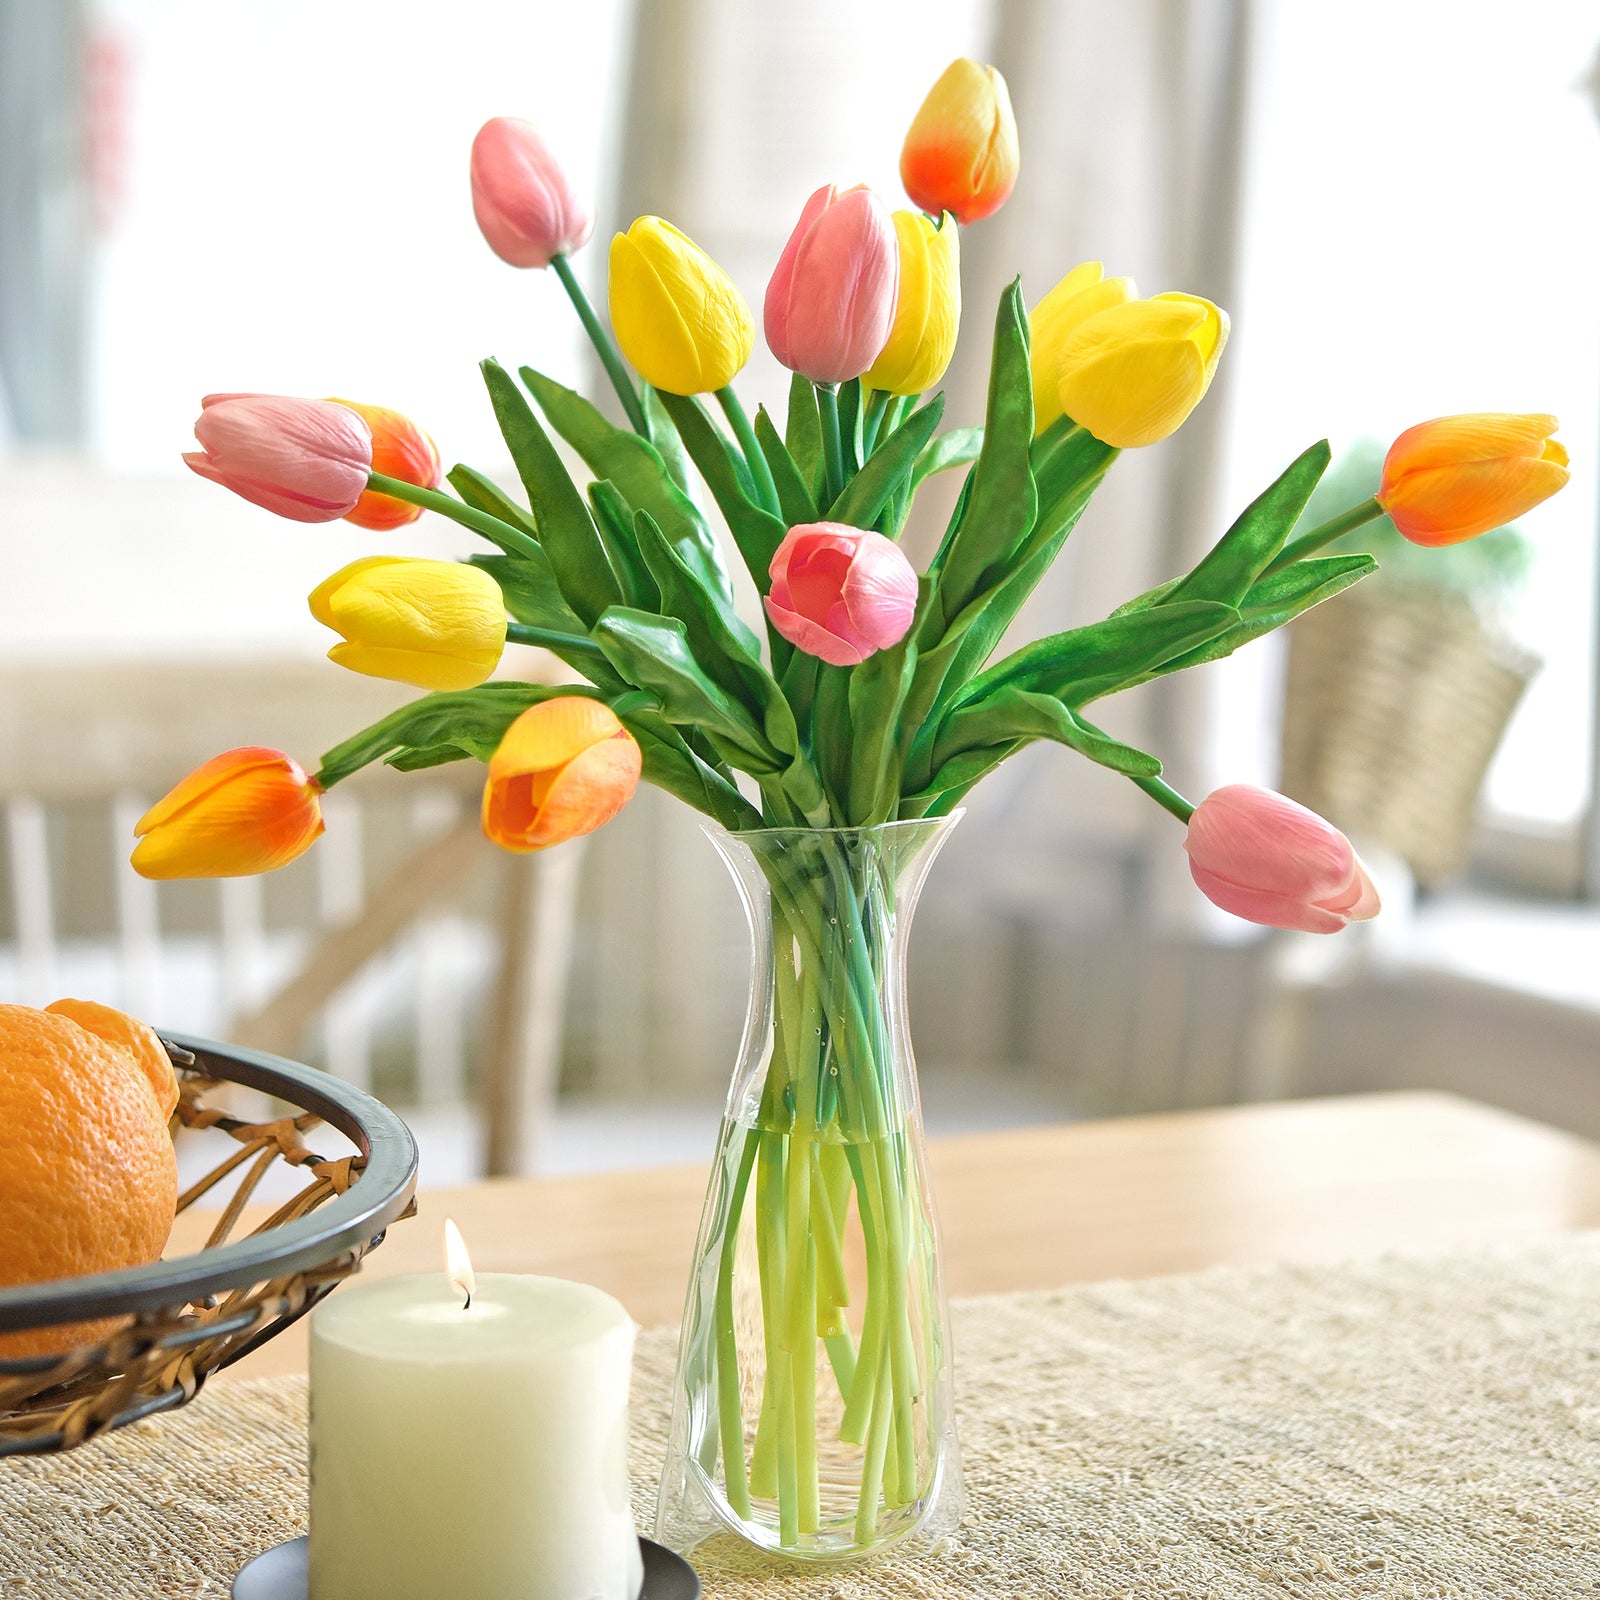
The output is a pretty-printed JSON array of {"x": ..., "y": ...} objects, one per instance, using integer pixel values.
[
  {"x": 1268, "y": 860},
  {"x": 305, "y": 459},
  {"x": 840, "y": 593},
  {"x": 524, "y": 203},
  {"x": 830, "y": 304}
]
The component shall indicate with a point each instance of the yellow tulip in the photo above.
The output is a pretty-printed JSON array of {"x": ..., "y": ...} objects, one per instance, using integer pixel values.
[
  {"x": 565, "y": 767},
  {"x": 927, "y": 308},
  {"x": 435, "y": 624},
  {"x": 1132, "y": 373},
  {"x": 1083, "y": 292},
  {"x": 245, "y": 811},
  {"x": 677, "y": 315}
]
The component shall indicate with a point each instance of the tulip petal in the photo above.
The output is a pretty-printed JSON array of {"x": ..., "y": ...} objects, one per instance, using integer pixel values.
[
  {"x": 1083, "y": 293},
  {"x": 564, "y": 727},
  {"x": 589, "y": 791},
  {"x": 813, "y": 638},
  {"x": 1446, "y": 505},
  {"x": 1476, "y": 436},
  {"x": 1269, "y": 910}
]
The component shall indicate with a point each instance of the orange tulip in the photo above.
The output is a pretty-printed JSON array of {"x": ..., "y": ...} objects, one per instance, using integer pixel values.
[
  {"x": 565, "y": 767},
  {"x": 400, "y": 449},
  {"x": 960, "y": 154},
  {"x": 1456, "y": 477},
  {"x": 246, "y": 811}
]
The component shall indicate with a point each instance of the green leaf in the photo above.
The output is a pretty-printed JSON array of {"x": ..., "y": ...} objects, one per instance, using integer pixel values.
[
  {"x": 953, "y": 449},
  {"x": 794, "y": 493},
  {"x": 850, "y": 426},
  {"x": 1274, "y": 601},
  {"x": 485, "y": 495},
  {"x": 878, "y": 689},
  {"x": 473, "y": 720},
  {"x": 756, "y": 531},
  {"x": 968, "y": 641},
  {"x": 1002, "y": 504},
  {"x": 435, "y": 755},
  {"x": 638, "y": 471},
  {"x": 665, "y": 438},
  {"x": 888, "y": 469},
  {"x": 1084, "y": 663},
  {"x": 653, "y": 653},
  {"x": 613, "y": 516},
  {"x": 529, "y": 590},
  {"x": 1019, "y": 714},
  {"x": 1245, "y": 551},
  {"x": 717, "y": 635},
  {"x": 803, "y": 432},
  {"x": 567, "y": 532},
  {"x": 669, "y": 764}
]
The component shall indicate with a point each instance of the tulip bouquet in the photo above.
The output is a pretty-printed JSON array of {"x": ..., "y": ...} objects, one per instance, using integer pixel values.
[{"x": 813, "y": 1407}]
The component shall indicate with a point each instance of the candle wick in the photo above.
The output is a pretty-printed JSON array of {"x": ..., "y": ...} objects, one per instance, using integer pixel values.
[{"x": 468, "y": 1305}]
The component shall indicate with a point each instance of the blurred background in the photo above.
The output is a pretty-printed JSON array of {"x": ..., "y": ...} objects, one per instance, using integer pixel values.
[{"x": 1400, "y": 217}]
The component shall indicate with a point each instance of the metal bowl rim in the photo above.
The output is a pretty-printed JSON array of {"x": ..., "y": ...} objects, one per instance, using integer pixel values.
[{"x": 380, "y": 1194}]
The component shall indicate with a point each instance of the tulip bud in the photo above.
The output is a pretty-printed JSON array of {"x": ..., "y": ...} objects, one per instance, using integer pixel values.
[
  {"x": 400, "y": 449},
  {"x": 565, "y": 767},
  {"x": 304, "y": 459},
  {"x": 677, "y": 315},
  {"x": 1262, "y": 857},
  {"x": 524, "y": 204},
  {"x": 961, "y": 152},
  {"x": 1083, "y": 292},
  {"x": 1456, "y": 477},
  {"x": 840, "y": 593},
  {"x": 435, "y": 624},
  {"x": 246, "y": 811},
  {"x": 927, "y": 307},
  {"x": 1130, "y": 374},
  {"x": 830, "y": 302}
]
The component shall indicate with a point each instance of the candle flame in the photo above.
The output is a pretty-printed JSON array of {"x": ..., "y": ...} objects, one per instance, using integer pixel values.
[{"x": 457, "y": 1263}]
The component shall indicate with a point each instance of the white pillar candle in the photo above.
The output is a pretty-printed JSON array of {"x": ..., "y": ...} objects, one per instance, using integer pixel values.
[{"x": 471, "y": 1449}]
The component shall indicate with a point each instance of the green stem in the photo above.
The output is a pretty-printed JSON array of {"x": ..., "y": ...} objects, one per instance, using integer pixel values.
[
  {"x": 493, "y": 529},
  {"x": 872, "y": 422},
  {"x": 1309, "y": 543},
  {"x": 554, "y": 639},
  {"x": 1166, "y": 796},
  {"x": 832, "y": 446},
  {"x": 730, "y": 1409},
  {"x": 753, "y": 453},
  {"x": 1163, "y": 794},
  {"x": 604, "y": 346}
]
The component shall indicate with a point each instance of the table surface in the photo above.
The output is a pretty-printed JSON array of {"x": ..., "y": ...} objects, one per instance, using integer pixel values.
[{"x": 1036, "y": 1208}]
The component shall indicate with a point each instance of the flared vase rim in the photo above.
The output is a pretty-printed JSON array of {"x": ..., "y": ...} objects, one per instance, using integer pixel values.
[{"x": 715, "y": 830}]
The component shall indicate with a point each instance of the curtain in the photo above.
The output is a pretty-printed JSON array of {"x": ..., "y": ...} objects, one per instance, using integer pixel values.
[{"x": 44, "y": 199}]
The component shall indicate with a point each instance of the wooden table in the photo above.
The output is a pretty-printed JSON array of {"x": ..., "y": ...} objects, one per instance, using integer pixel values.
[{"x": 1133, "y": 1197}]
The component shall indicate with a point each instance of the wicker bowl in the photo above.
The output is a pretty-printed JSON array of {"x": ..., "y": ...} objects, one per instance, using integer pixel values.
[
  {"x": 1397, "y": 698},
  {"x": 184, "y": 1318}
]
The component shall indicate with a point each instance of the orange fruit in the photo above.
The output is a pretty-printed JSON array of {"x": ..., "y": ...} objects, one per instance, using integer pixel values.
[{"x": 88, "y": 1179}]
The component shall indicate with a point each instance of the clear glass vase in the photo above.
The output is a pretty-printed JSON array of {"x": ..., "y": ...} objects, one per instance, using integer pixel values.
[{"x": 812, "y": 1406}]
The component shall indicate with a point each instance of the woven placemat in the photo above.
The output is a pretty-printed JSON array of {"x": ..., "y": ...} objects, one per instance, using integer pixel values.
[{"x": 1427, "y": 1429}]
